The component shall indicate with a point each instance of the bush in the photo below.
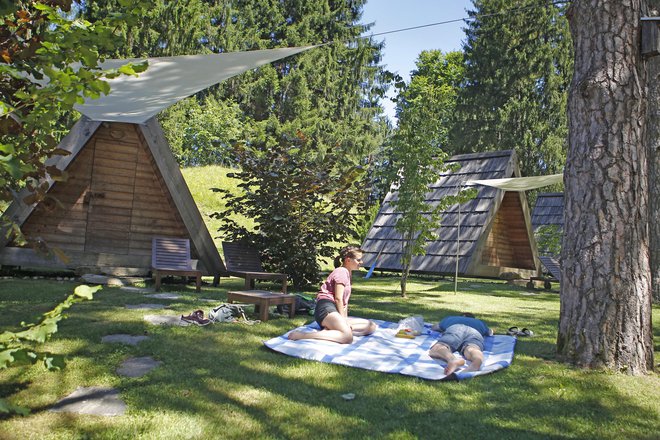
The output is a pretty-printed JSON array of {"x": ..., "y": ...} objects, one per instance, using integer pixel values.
[{"x": 301, "y": 202}]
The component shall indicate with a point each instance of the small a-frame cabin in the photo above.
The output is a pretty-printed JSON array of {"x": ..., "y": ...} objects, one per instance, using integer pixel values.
[
  {"x": 124, "y": 186},
  {"x": 486, "y": 236}
]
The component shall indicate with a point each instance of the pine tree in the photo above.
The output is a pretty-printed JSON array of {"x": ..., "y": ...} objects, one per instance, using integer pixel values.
[
  {"x": 518, "y": 69},
  {"x": 605, "y": 314}
]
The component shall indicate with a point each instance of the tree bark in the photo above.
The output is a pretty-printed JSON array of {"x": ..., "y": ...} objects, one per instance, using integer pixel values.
[
  {"x": 605, "y": 316},
  {"x": 653, "y": 145}
]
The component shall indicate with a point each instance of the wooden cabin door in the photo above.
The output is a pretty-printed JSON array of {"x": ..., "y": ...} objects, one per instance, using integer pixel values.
[{"x": 111, "y": 192}]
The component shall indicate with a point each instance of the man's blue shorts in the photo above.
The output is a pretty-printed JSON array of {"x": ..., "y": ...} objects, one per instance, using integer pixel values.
[{"x": 459, "y": 336}]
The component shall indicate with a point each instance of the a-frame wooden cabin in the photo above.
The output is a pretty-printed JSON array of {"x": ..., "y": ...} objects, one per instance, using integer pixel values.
[
  {"x": 489, "y": 235},
  {"x": 124, "y": 187}
]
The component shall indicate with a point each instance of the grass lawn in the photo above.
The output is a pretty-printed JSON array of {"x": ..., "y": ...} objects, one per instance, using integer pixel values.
[{"x": 220, "y": 381}]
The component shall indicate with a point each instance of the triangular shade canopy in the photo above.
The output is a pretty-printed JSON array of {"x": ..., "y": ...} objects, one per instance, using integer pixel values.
[
  {"x": 520, "y": 183},
  {"x": 170, "y": 79}
]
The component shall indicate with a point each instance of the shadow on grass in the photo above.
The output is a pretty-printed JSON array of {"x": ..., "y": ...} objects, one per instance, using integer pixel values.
[{"x": 221, "y": 382}]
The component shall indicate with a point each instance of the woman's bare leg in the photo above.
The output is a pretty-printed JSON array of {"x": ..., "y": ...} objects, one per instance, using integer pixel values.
[
  {"x": 361, "y": 326},
  {"x": 336, "y": 329}
]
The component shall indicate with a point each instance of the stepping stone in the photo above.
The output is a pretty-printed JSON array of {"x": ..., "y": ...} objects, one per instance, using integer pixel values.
[
  {"x": 99, "y": 401},
  {"x": 164, "y": 296},
  {"x": 94, "y": 279},
  {"x": 165, "y": 320},
  {"x": 136, "y": 367},
  {"x": 123, "y": 339},
  {"x": 137, "y": 289},
  {"x": 145, "y": 306}
]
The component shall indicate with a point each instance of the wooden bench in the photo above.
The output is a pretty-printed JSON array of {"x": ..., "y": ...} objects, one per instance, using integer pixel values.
[
  {"x": 262, "y": 299},
  {"x": 171, "y": 256},
  {"x": 244, "y": 262}
]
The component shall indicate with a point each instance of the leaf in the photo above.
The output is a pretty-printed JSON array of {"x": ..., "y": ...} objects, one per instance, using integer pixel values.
[
  {"x": 9, "y": 408},
  {"x": 86, "y": 292},
  {"x": 54, "y": 362}
]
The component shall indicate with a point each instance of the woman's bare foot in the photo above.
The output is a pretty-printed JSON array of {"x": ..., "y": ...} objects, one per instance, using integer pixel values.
[
  {"x": 295, "y": 335},
  {"x": 453, "y": 364}
]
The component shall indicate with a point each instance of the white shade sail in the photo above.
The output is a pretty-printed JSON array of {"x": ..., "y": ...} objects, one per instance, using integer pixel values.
[
  {"x": 169, "y": 80},
  {"x": 520, "y": 183}
]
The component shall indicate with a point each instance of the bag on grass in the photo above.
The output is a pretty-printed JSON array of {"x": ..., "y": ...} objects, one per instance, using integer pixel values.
[
  {"x": 304, "y": 305},
  {"x": 226, "y": 313}
]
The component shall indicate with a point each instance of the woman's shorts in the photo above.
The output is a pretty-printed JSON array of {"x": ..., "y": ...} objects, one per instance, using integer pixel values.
[
  {"x": 323, "y": 308},
  {"x": 459, "y": 336}
]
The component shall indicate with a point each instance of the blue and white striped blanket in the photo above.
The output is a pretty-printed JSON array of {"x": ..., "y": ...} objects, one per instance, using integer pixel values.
[{"x": 382, "y": 351}]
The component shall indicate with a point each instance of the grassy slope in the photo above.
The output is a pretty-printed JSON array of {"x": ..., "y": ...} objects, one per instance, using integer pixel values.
[
  {"x": 220, "y": 381},
  {"x": 200, "y": 180}
]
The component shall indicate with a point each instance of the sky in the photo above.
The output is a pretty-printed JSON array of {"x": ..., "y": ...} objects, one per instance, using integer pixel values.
[{"x": 402, "y": 48}]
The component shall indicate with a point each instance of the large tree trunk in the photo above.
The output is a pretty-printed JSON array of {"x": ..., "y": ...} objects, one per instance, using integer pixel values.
[
  {"x": 653, "y": 144},
  {"x": 605, "y": 293}
]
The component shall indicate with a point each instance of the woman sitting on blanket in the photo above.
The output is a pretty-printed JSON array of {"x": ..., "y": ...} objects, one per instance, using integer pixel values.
[{"x": 332, "y": 303}]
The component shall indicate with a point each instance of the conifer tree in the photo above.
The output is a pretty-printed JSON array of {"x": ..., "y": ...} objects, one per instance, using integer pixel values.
[{"x": 518, "y": 68}]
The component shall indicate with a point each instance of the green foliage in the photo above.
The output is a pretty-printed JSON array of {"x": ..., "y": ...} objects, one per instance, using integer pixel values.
[
  {"x": 19, "y": 348},
  {"x": 301, "y": 203},
  {"x": 201, "y": 133},
  {"x": 518, "y": 69},
  {"x": 548, "y": 239},
  {"x": 164, "y": 28},
  {"x": 49, "y": 61},
  {"x": 416, "y": 155}
]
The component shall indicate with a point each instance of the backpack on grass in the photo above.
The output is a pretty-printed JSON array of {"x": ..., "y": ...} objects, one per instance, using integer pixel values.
[{"x": 227, "y": 313}]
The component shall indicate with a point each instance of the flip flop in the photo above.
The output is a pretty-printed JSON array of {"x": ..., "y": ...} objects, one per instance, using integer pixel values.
[
  {"x": 513, "y": 331},
  {"x": 526, "y": 332}
]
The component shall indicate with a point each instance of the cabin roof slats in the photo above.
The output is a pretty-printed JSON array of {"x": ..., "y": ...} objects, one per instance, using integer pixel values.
[{"x": 548, "y": 210}]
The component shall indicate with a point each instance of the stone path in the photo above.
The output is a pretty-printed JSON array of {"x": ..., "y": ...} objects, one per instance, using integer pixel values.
[
  {"x": 105, "y": 401},
  {"x": 146, "y": 306},
  {"x": 123, "y": 339},
  {"x": 164, "y": 296},
  {"x": 165, "y": 320},
  {"x": 137, "y": 289},
  {"x": 99, "y": 401},
  {"x": 136, "y": 367}
]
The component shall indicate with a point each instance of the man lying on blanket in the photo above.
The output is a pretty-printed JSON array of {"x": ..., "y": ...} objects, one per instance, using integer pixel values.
[{"x": 464, "y": 334}]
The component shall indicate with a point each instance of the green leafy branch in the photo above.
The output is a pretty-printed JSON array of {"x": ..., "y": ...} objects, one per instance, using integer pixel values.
[{"x": 18, "y": 348}]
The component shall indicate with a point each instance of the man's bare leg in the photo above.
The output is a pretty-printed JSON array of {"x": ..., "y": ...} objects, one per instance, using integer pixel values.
[
  {"x": 336, "y": 329},
  {"x": 443, "y": 352},
  {"x": 475, "y": 356}
]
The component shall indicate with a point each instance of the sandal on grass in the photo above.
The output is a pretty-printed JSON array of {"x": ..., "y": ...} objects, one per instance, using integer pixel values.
[
  {"x": 513, "y": 331},
  {"x": 525, "y": 332}
]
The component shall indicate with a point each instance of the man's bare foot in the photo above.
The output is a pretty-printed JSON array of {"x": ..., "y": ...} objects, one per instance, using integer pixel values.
[
  {"x": 474, "y": 366},
  {"x": 453, "y": 364}
]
